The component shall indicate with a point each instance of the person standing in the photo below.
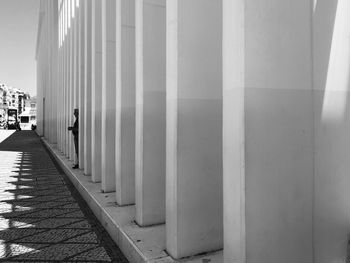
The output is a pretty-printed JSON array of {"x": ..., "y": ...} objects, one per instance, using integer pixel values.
[{"x": 75, "y": 132}]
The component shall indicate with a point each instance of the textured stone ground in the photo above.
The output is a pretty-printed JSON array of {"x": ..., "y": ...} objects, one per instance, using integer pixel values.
[{"x": 42, "y": 216}]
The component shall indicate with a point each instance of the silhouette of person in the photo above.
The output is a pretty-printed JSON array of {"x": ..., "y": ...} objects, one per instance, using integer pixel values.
[{"x": 75, "y": 132}]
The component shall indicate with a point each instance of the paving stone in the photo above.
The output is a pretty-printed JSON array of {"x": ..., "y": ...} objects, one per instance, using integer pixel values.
[
  {"x": 68, "y": 206},
  {"x": 51, "y": 223},
  {"x": 96, "y": 254},
  {"x": 10, "y": 223},
  {"x": 25, "y": 205},
  {"x": 88, "y": 237},
  {"x": 53, "y": 236},
  {"x": 44, "y": 213},
  {"x": 7, "y": 208},
  {"x": 34, "y": 198},
  {"x": 16, "y": 249},
  {"x": 37, "y": 192},
  {"x": 77, "y": 224},
  {"x": 57, "y": 252},
  {"x": 73, "y": 214},
  {"x": 8, "y": 235},
  {"x": 42, "y": 216}
]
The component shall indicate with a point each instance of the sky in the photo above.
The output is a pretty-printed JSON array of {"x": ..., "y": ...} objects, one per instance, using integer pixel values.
[{"x": 18, "y": 33}]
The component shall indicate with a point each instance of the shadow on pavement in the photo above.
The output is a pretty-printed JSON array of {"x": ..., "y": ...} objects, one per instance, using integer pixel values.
[{"x": 42, "y": 218}]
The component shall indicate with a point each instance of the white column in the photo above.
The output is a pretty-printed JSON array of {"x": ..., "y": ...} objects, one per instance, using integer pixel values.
[
  {"x": 70, "y": 80},
  {"x": 194, "y": 127},
  {"x": 108, "y": 94},
  {"x": 269, "y": 132},
  {"x": 59, "y": 80},
  {"x": 233, "y": 131},
  {"x": 81, "y": 46},
  {"x": 150, "y": 111},
  {"x": 68, "y": 57},
  {"x": 75, "y": 67},
  {"x": 52, "y": 69},
  {"x": 96, "y": 90},
  {"x": 87, "y": 87},
  {"x": 55, "y": 69},
  {"x": 63, "y": 47},
  {"x": 48, "y": 87},
  {"x": 66, "y": 79},
  {"x": 61, "y": 105},
  {"x": 125, "y": 100}
]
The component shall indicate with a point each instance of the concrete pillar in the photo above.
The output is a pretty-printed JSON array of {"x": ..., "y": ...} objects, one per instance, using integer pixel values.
[
  {"x": 194, "y": 127},
  {"x": 66, "y": 78},
  {"x": 268, "y": 132},
  {"x": 81, "y": 85},
  {"x": 150, "y": 111},
  {"x": 331, "y": 67},
  {"x": 60, "y": 80},
  {"x": 53, "y": 64},
  {"x": 125, "y": 100},
  {"x": 108, "y": 94},
  {"x": 40, "y": 70},
  {"x": 48, "y": 87},
  {"x": 63, "y": 135},
  {"x": 70, "y": 76},
  {"x": 66, "y": 69},
  {"x": 233, "y": 131},
  {"x": 70, "y": 79},
  {"x": 87, "y": 87},
  {"x": 55, "y": 69},
  {"x": 63, "y": 51},
  {"x": 96, "y": 90},
  {"x": 75, "y": 79},
  {"x": 61, "y": 87},
  {"x": 76, "y": 67},
  {"x": 61, "y": 105}
]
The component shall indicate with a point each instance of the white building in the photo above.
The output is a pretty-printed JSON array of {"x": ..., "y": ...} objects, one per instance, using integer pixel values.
[
  {"x": 220, "y": 127},
  {"x": 12, "y": 97}
]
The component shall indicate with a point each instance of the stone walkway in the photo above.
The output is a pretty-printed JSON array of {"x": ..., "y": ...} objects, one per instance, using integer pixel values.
[{"x": 42, "y": 216}]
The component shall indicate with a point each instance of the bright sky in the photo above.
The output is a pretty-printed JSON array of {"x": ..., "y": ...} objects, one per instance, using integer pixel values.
[{"x": 18, "y": 31}]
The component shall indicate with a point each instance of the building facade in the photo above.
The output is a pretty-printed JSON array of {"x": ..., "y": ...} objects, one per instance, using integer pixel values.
[
  {"x": 11, "y": 97},
  {"x": 225, "y": 123}
]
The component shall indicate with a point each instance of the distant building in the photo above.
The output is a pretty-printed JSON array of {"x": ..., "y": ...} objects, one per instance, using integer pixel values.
[
  {"x": 1, "y": 96},
  {"x": 14, "y": 98}
]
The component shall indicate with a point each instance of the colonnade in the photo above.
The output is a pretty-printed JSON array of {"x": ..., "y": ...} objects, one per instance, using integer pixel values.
[
  {"x": 208, "y": 117},
  {"x": 154, "y": 141}
]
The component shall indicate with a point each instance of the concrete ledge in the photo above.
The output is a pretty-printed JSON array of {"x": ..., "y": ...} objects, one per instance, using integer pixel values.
[{"x": 139, "y": 244}]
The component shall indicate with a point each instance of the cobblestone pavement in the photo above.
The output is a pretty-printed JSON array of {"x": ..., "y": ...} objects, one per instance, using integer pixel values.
[{"x": 42, "y": 216}]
